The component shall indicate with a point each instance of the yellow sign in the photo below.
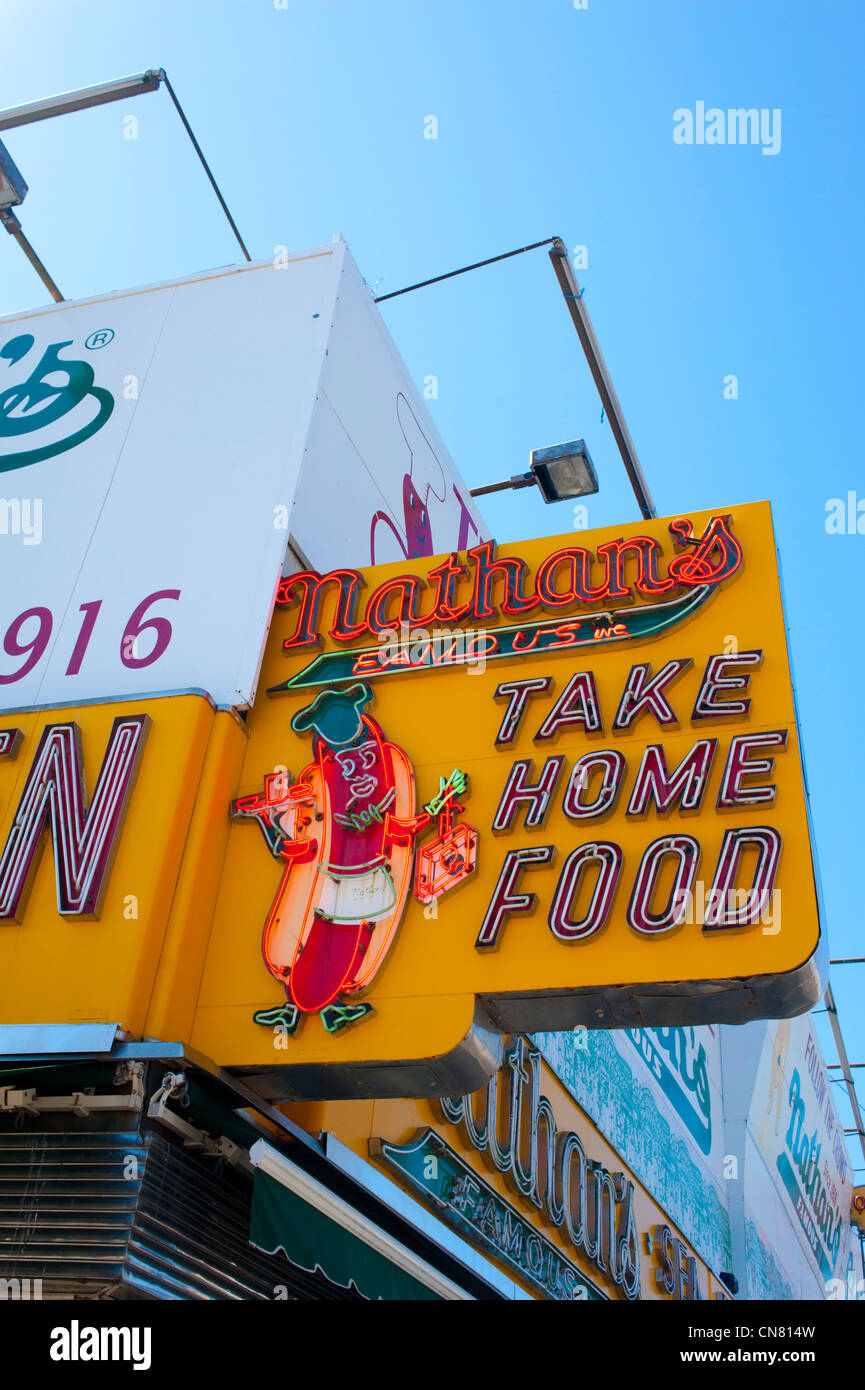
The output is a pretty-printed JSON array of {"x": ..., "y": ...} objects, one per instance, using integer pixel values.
[
  {"x": 552, "y": 785},
  {"x": 128, "y": 800},
  {"x": 858, "y": 1209},
  {"x": 496, "y": 792}
]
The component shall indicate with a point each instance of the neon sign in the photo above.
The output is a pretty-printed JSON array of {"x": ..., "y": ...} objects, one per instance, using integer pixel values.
[
  {"x": 592, "y": 791},
  {"x": 346, "y": 833},
  {"x": 619, "y": 816},
  {"x": 531, "y": 639},
  {"x": 562, "y": 580}
]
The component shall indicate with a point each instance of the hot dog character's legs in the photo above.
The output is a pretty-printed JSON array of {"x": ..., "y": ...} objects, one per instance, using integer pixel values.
[{"x": 330, "y": 955}]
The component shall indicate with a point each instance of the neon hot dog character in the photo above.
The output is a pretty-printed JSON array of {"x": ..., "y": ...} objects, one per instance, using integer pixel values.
[{"x": 346, "y": 831}]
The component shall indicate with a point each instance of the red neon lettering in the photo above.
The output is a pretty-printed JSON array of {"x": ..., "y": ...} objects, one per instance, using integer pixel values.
[
  {"x": 648, "y": 582},
  {"x": 566, "y": 635},
  {"x": 487, "y": 570},
  {"x": 715, "y": 558},
  {"x": 408, "y": 589},
  {"x": 310, "y": 584},
  {"x": 579, "y": 562},
  {"x": 446, "y": 577},
  {"x": 492, "y": 644},
  {"x": 519, "y": 638},
  {"x": 563, "y": 578}
]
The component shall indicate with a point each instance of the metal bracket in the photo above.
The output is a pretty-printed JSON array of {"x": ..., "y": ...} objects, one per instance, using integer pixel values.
[{"x": 174, "y": 1087}]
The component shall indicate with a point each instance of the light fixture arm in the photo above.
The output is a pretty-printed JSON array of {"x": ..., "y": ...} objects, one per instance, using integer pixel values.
[
  {"x": 520, "y": 480},
  {"x": 14, "y": 228},
  {"x": 80, "y": 100}
]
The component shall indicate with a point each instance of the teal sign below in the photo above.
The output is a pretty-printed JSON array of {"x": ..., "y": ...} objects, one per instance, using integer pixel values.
[
  {"x": 461, "y": 1198},
  {"x": 678, "y": 1063}
]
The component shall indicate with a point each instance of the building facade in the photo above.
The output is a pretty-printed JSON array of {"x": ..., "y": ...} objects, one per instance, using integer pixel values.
[{"x": 170, "y": 1129}]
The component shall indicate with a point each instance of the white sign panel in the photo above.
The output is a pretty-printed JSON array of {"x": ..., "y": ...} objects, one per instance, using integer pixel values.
[
  {"x": 159, "y": 446},
  {"x": 798, "y": 1186},
  {"x": 148, "y": 441},
  {"x": 377, "y": 484}
]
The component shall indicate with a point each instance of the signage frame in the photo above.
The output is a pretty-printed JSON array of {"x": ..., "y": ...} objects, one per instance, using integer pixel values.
[{"x": 358, "y": 607}]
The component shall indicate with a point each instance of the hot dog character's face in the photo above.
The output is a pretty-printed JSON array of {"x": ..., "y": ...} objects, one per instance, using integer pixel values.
[
  {"x": 361, "y": 789},
  {"x": 356, "y": 772}
]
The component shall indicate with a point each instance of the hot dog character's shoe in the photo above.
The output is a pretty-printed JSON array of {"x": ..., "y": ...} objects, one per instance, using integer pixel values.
[
  {"x": 335, "y": 1017},
  {"x": 338, "y": 1016},
  {"x": 287, "y": 1016}
]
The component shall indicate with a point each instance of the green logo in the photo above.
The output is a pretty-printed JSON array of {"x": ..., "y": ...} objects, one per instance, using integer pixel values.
[{"x": 56, "y": 387}]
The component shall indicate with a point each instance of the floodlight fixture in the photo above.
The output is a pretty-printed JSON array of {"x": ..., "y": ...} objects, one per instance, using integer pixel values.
[
  {"x": 562, "y": 473},
  {"x": 13, "y": 189}
]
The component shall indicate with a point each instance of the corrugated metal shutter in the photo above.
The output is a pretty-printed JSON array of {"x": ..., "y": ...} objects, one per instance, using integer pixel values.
[{"x": 130, "y": 1214}]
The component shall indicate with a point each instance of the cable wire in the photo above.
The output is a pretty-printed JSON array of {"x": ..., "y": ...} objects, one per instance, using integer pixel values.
[
  {"x": 491, "y": 260},
  {"x": 206, "y": 166}
]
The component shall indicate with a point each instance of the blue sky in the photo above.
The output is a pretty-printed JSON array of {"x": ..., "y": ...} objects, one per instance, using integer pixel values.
[{"x": 702, "y": 261}]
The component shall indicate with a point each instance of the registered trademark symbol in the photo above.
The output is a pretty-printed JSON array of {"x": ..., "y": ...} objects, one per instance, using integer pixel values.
[{"x": 101, "y": 338}]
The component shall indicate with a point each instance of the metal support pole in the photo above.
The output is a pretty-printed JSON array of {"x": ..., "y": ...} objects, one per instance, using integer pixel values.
[
  {"x": 845, "y": 1066},
  {"x": 14, "y": 228},
  {"x": 598, "y": 367}
]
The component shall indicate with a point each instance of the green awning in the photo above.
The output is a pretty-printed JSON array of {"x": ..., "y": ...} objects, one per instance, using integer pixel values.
[{"x": 281, "y": 1220}]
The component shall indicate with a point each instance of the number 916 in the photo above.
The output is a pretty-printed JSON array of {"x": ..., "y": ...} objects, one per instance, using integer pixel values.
[{"x": 17, "y": 644}]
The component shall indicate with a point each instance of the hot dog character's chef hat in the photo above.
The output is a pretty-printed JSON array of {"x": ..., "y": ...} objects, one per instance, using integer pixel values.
[{"x": 335, "y": 715}]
